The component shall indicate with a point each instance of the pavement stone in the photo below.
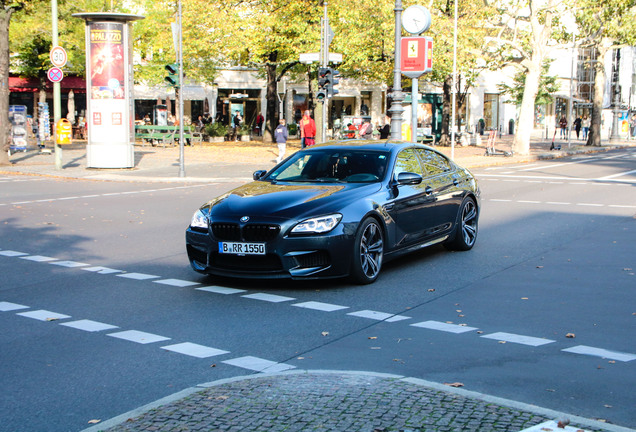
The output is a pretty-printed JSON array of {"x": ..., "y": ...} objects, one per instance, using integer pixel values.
[{"x": 305, "y": 400}]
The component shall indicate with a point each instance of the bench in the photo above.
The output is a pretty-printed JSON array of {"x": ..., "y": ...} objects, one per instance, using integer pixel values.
[{"x": 165, "y": 134}]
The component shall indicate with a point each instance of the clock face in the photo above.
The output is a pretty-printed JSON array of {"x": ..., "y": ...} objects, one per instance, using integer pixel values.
[{"x": 416, "y": 19}]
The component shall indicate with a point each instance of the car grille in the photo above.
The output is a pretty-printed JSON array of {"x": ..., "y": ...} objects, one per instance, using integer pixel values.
[
  {"x": 250, "y": 232},
  {"x": 246, "y": 263},
  {"x": 314, "y": 259}
]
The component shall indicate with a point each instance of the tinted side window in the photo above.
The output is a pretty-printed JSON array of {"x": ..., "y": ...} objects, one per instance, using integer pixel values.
[
  {"x": 434, "y": 163},
  {"x": 407, "y": 162}
]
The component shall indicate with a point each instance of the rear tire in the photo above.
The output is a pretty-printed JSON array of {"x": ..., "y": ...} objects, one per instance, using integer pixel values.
[
  {"x": 368, "y": 252},
  {"x": 466, "y": 228}
]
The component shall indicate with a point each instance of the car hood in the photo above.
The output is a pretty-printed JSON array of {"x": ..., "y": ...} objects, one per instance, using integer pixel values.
[{"x": 288, "y": 200}]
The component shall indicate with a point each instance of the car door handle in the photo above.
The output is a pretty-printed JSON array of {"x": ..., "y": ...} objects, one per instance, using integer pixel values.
[
  {"x": 389, "y": 207},
  {"x": 428, "y": 190},
  {"x": 455, "y": 182}
]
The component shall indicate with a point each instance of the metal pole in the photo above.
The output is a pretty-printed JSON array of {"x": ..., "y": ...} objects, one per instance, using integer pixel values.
[
  {"x": 57, "y": 95},
  {"x": 325, "y": 62},
  {"x": 180, "y": 61},
  {"x": 414, "y": 101},
  {"x": 454, "y": 90},
  {"x": 397, "y": 109},
  {"x": 571, "y": 122}
]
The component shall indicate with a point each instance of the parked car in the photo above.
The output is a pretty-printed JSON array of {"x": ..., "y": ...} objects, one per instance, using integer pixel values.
[{"x": 334, "y": 210}]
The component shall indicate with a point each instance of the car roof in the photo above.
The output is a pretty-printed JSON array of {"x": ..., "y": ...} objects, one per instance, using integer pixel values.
[{"x": 387, "y": 145}]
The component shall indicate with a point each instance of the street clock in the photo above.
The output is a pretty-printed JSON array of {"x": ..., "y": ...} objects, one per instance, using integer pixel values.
[{"x": 416, "y": 19}]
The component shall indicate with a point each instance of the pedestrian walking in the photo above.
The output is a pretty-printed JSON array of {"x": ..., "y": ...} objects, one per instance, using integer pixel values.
[
  {"x": 281, "y": 134},
  {"x": 307, "y": 130},
  {"x": 585, "y": 123},
  {"x": 236, "y": 121},
  {"x": 366, "y": 131},
  {"x": 577, "y": 126},
  {"x": 563, "y": 124}
]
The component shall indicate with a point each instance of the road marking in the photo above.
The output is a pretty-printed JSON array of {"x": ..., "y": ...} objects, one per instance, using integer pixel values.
[
  {"x": 10, "y": 253},
  {"x": 137, "y": 276},
  {"x": 529, "y": 202},
  {"x": 598, "y": 352},
  {"x": 325, "y": 307},
  {"x": 520, "y": 339},
  {"x": 38, "y": 258},
  {"x": 8, "y": 306},
  {"x": 501, "y": 200},
  {"x": 445, "y": 327},
  {"x": 138, "y": 336},
  {"x": 44, "y": 315},
  {"x": 89, "y": 325},
  {"x": 69, "y": 264},
  {"x": 176, "y": 282},
  {"x": 194, "y": 350},
  {"x": 272, "y": 298},
  {"x": 379, "y": 316},
  {"x": 590, "y": 205},
  {"x": 258, "y": 364},
  {"x": 557, "y": 203},
  {"x": 102, "y": 270},
  {"x": 221, "y": 290}
]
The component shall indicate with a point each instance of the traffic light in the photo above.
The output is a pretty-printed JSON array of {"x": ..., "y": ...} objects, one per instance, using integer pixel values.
[
  {"x": 322, "y": 83},
  {"x": 331, "y": 82},
  {"x": 173, "y": 74}
]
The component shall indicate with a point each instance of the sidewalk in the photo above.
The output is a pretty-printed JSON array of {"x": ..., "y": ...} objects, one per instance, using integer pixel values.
[
  {"x": 303, "y": 400},
  {"x": 236, "y": 161}
]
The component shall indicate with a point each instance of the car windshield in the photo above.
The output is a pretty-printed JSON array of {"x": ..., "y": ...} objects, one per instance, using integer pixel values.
[{"x": 332, "y": 166}]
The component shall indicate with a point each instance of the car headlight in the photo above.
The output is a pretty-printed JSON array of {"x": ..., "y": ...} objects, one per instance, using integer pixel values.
[
  {"x": 317, "y": 225},
  {"x": 199, "y": 220}
]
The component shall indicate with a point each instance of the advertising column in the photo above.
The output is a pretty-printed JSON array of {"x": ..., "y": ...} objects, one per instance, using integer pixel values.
[{"x": 110, "y": 111}]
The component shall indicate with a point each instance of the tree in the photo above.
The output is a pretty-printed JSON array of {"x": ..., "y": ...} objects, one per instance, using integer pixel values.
[
  {"x": 471, "y": 32},
  {"x": 528, "y": 31},
  {"x": 548, "y": 85},
  {"x": 605, "y": 25}
]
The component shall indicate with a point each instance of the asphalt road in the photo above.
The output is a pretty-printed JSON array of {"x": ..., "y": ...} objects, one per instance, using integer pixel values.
[{"x": 101, "y": 313}]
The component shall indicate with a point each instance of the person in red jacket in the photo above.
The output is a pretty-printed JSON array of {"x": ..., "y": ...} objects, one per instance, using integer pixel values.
[{"x": 307, "y": 130}]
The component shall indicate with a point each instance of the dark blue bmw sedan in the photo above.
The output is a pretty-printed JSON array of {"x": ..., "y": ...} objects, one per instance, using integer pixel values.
[{"x": 334, "y": 210}]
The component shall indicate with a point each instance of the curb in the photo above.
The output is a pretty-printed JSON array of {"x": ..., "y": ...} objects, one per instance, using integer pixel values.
[{"x": 534, "y": 409}]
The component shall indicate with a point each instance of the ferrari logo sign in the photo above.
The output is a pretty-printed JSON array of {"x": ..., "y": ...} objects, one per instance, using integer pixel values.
[{"x": 417, "y": 56}]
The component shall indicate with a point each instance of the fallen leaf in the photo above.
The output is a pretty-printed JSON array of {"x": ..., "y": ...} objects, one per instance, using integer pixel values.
[
  {"x": 455, "y": 384},
  {"x": 375, "y": 348},
  {"x": 431, "y": 290},
  {"x": 550, "y": 390},
  {"x": 480, "y": 332},
  {"x": 52, "y": 319},
  {"x": 458, "y": 311},
  {"x": 612, "y": 361},
  {"x": 608, "y": 406},
  {"x": 94, "y": 421},
  {"x": 325, "y": 333},
  {"x": 214, "y": 365},
  {"x": 524, "y": 298},
  {"x": 539, "y": 267},
  {"x": 373, "y": 337},
  {"x": 570, "y": 335},
  {"x": 502, "y": 342}
]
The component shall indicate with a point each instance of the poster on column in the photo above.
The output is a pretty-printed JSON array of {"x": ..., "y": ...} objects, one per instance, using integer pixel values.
[{"x": 107, "y": 80}]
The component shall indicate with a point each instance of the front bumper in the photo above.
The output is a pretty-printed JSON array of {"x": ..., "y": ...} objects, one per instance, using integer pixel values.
[{"x": 297, "y": 257}]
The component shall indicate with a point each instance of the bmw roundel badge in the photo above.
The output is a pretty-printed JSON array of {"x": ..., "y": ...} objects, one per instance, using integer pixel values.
[{"x": 245, "y": 219}]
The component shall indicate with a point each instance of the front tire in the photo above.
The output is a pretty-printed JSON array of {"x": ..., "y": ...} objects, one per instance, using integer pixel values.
[
  {"x": 368, "y": 252},
  {"x": 466, "y": 228}
]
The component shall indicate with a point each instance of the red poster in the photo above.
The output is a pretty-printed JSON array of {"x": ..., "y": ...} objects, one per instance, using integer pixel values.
[{"x": 107, "y": 60}]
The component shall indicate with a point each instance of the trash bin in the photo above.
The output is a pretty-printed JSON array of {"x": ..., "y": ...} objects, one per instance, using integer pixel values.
[{"x": 511, "y": 126}]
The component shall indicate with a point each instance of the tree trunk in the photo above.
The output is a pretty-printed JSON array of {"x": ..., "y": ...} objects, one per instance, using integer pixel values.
[
  {"x": 5, "y": 130},
  {"x": 445, "y": 138},
  {"x": 594, "y": 137},
  {"x": 272, "y": 99},
  {"x": 521, "y": 142}
]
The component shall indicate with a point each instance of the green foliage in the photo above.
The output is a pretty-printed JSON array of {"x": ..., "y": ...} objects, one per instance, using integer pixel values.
[
  {"x": 548, "y": 85},
  {"x": 216, "y": 129}
]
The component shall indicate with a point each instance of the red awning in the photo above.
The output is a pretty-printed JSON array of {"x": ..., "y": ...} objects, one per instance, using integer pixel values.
[{"x": 17, "y": 84}]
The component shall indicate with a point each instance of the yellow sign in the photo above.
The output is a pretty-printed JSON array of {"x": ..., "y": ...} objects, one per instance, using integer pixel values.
[{"x": 63, "y": 132}]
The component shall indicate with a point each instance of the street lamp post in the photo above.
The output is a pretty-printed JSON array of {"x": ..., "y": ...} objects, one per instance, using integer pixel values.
[{"x": 397, "y": 95}]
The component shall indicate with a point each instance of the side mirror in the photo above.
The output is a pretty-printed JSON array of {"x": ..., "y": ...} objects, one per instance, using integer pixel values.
[
  {"x": 259, "y": 174},
  {"x": 409, "y": 178}
]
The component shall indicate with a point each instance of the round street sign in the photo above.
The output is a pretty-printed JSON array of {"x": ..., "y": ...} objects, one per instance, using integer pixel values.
[
  {"x": 55, "y": 74},
  {"x": 58, "y": 56}
]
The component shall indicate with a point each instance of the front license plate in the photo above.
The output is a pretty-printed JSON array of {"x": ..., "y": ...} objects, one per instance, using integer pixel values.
[{"x": 239, "y": 248}]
